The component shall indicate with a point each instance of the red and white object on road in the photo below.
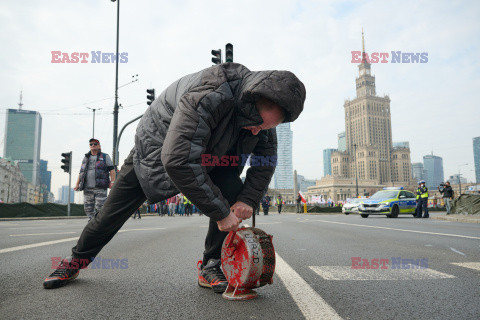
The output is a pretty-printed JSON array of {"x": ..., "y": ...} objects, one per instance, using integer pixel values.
[{"x": 248, "y": 261}]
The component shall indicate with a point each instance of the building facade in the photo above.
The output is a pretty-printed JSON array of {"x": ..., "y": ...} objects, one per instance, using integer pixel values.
[
  {"x": 433, "y": 166},
  {"x": 327, "y": 161},
  {"x": 23, "y": 130},
  {"x": 283, "y": 177},
  {"x": 63, "y": 195},
  {"x": 476, "y": 158}
]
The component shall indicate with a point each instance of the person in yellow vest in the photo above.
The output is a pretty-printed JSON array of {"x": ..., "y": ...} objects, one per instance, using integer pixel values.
[
  {"x": 188, "y": 206},
  {"x": 422, "y": 196},
  {"x": 279, "y": 203}
]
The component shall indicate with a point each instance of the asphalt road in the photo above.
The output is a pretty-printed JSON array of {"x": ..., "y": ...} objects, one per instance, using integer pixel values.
[{"x": 314, "y": 278}]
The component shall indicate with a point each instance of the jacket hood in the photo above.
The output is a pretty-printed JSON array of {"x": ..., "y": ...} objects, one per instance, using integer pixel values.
[{"x": 282, "y": 87}]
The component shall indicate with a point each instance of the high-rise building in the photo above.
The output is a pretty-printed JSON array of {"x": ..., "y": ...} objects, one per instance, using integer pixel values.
[
  {"x": 283, "y": 177},
  {"x": 342, "y": 142},
  {"x": 45, "y": 175},
  {"x": 327, "y": 161},
  {"x": 418, "y": 172},
  {"x": 476, "y": 158},
  {"x": 369, "y": 150},
  {"x": 303, "y": 183},
  {"x": 457, "y": 179},
  {"x": 63, "y": 195},
  {"x": 23, "y": 131},
  {"x": 434, "y": 170}
]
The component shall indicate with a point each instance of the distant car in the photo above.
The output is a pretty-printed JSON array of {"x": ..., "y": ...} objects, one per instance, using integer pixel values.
[
  {"x": 352, "y": 205},
  {"x": 390, "y": 202}
]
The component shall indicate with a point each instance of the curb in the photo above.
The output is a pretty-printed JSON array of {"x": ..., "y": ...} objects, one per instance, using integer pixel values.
[{"x": 458, "y": 219}]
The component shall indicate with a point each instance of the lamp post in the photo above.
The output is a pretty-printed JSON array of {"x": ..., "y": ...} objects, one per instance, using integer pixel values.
[
  {"x": 93, "y": 109},
  {"x": 356, "y": 175},
  {"x": 115, "y": 108},
  {"x": 459, "y": 180}
]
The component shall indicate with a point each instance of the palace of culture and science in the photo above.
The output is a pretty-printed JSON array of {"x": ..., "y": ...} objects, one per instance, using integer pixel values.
[{"x": 370, "y": 155}]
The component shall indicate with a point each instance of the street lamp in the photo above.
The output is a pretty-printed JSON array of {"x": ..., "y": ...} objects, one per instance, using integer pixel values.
[
  {"x": 115, "y": 108},
  {"x": 93, "y": 109},
  {"x": 459, "y": 180}
]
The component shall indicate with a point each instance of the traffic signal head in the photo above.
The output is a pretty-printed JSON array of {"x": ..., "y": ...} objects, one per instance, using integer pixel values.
[
  {"x": 217, "y": 56},
  {"x": 229, "y": 52},
  {"x": 67, "y": 161},
  {"x": 150, "y": 96}
]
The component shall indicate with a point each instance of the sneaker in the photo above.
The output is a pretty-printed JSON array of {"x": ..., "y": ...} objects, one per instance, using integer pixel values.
[
  {"x": 62, "y": 275},
  {"x": 211, "y": 276}
]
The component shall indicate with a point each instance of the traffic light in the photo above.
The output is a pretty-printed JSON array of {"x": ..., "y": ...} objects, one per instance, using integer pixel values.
[
  {"x": 67, "y": 161},
  {"x": 229, "y": 52},
  {"x": 150, "y": 96},
  {"x": 217, "y": 56}
]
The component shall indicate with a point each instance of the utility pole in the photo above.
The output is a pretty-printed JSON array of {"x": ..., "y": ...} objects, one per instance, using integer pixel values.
[
  {"x": 93, "y": 134},
  {"x": 356, "y": 175},
  {"x": 67, "y": 167},
  {"x": 115, "y": 108}
]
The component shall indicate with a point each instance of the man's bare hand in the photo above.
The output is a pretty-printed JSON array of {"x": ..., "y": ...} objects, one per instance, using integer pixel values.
[
  {"x": 242, "y": 210},
  {"x": 230, "y": 223}
]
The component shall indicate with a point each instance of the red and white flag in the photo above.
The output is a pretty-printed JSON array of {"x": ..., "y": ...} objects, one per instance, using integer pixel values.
[{"x": 303, "y": 198}]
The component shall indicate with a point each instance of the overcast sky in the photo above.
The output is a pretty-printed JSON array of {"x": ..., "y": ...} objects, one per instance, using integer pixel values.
[{"x": 434, "y": 105}]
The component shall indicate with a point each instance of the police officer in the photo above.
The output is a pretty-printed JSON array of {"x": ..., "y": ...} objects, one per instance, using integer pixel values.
[{"x": 422, "y": 200}]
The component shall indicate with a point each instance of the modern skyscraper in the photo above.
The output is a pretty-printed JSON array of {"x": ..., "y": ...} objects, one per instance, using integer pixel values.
[
  {"x": 434, "y": 170},
  {"x": 476, "y": 158},
  {"x": 63, "y": 195},
  {"x": 45, "y": 175},
  {"x": 283, "y": 177},
  {"x": 342, "y": 142},
  {"x": 418, "y": 172},
  {"x": 327, "y": 161},
  {"x": 23, "y": 131}
]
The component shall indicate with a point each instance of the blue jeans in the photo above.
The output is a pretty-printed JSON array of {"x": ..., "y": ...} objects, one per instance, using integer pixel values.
[{"x": 448, "y": 204}]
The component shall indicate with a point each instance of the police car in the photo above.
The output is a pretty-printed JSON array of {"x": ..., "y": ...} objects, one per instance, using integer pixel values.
[
  {"x": 351, "y": 206},
  {"x": 390, "y": 202}
]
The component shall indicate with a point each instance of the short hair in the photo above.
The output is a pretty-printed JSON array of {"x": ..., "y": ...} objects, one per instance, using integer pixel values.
[{"x": 264, "y": 104}]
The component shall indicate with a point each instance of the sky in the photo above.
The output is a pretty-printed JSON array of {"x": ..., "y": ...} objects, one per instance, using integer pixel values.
[{"x": 434, "y": 105}]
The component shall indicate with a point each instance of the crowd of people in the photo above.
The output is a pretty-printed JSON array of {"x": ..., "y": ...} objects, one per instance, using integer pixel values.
[{"x": 176, "y": 205}]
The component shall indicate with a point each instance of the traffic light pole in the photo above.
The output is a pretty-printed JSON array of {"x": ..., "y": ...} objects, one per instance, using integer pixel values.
[{"x": 69, "y": 187}]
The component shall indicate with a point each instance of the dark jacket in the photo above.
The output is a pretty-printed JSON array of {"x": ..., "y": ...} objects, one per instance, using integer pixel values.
[
  {"x": 102, "y": 176},
  {"x": 203, "y": 113},
  {"x": 447, "y": 192}
]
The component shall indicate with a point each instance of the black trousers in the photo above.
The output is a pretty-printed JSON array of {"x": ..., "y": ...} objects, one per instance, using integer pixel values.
[{"x": 127, "y": 195}]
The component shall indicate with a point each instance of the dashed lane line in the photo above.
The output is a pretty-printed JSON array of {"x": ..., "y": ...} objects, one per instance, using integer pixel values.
[
  {"x": 39, "y": 234},
  {"x": 469, "y": 265},
  {"x": 395, "y": 229},
  {"x": 47, "y": 243}
]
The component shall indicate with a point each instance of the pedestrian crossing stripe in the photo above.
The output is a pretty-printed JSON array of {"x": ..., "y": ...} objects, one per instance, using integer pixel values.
[
  {"x": 345, "y": 273},
  {"x": 469, "y": 265}
]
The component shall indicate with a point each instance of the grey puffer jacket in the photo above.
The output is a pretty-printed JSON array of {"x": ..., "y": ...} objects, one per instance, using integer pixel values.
[{"x": 203, "y": 113}]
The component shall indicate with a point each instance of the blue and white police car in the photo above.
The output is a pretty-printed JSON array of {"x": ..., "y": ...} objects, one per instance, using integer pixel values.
[{"x": 390, "y": 202}]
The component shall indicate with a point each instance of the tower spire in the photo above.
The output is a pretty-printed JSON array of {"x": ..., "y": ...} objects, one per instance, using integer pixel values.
[
  {"x": 363, "y": 43},
  {"x": 20, "y": 104}
]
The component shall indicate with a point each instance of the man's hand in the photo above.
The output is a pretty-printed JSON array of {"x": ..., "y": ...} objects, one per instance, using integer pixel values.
[
  {"x": 242, "y": 210},
  {"x": 111, "y": 184},
  {"x": 230, "y": 223},
  {"x": 76, "y": 187}
]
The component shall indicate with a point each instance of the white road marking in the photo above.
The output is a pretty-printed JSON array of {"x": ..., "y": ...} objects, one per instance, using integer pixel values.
[
  {"x": 404, "y": 230},
  {"x": 455, "y": 250},
  {"x": 39, "y": 234},
  {"x": 428, "y": 245},
  {"x": 34, "y": 245},
  {"x": 308, "y": 300},
  {"x": 347, "y": 273},
  {"x": 47, "y": 243},
  {"x": 470, "y": 265}
]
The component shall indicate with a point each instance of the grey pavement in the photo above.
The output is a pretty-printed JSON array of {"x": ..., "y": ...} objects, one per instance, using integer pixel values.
[{"x": 314, "y": 277}]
